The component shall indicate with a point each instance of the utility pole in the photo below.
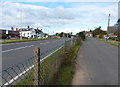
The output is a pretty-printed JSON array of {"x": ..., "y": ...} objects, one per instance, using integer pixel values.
[
  {"x": 21, "y": 21},
  {"x": 108, "y": 22}
]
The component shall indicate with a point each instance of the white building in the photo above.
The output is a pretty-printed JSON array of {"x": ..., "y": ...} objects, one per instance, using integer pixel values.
[
  {"x": 25, "y": 34},
  {"x": 88, "y": 34},
  {"x": 30, "y": 32}
]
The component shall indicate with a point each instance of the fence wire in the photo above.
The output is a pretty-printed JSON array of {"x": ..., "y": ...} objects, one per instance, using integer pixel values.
[{"x": 23, "y": 74}]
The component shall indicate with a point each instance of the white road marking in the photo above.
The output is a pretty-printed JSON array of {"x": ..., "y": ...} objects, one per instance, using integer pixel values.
[
  {"x": 17, "y": 48},
  {"x": 16, "y": 77},
  {"x": 15, "y": 43},
  {"x": 50, "y": 54}
]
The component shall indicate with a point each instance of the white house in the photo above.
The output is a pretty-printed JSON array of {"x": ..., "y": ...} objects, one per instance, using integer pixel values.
[
  {"x": 30, "y": 32},
  {"x": 88, "y": 34},
  {"x": 25, "y": 34}
]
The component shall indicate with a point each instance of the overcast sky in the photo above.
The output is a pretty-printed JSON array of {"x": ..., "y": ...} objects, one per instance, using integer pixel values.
[{"x": 55, "y": 17}]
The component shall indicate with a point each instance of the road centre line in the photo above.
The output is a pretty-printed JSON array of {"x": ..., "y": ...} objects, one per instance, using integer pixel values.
[
  {"x": 16, "y": 77},
  {"x": 22, "y": 47},
  {"x": 17, "y": 48},
  {"x": 15, "y": 43}
]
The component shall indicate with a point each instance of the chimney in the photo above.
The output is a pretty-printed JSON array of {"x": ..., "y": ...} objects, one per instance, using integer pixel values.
[
  {"x": 28, "y": 27},
  {"x": 12, "y": 28},
  {"x": 16, "y": 29}
]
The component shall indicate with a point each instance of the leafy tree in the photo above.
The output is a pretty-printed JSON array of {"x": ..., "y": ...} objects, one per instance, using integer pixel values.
[
  {"x": 82, "y": 35},
  {"x": 98, "y": 31},
  {"x": 61, "y": 34},
  {"x": 90, "y": 30},
  {"x": 118, "y": 20}
]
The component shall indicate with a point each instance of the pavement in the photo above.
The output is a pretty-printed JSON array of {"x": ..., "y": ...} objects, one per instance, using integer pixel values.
[{"x": 97, "y": 64}]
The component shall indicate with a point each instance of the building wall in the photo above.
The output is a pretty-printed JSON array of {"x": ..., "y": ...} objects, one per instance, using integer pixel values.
[
  {"x": 25, "y": 34},
  {"x": 112, "y": 29}
]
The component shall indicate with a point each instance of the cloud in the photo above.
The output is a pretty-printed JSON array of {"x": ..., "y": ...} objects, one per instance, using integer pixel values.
[
  {"x": 63, "y": 0},
  {"x": 41, "y": 16}
]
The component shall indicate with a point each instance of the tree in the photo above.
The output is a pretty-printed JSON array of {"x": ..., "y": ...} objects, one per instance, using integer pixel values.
[
  {"x": 98, "y": 31},
  {"x": 118, "y": 20},
  {"x": 61, "y": 34},
  {"x": 57, "y": 34},
  {"x": 82, "y": 35},
  {"x": 90, "y": 30}
]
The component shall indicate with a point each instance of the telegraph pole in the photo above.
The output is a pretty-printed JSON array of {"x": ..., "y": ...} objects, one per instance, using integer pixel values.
[
  {"x": 108, "y": 21},
  {"x": 21, "y": 21}
]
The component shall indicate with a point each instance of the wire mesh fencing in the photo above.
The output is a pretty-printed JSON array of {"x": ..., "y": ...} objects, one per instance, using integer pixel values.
[{"x": 36, "y": 71}]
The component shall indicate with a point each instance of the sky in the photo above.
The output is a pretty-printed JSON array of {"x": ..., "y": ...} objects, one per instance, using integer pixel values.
[{"x": 53, "y": 17}]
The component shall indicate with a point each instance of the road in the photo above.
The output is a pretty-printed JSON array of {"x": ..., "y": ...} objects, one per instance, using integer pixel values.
[
  {"x": 97, "y": 64},
  {"x": 15, "y": 53}
]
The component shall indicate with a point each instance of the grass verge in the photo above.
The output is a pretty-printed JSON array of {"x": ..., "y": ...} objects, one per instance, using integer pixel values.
[
  {"x": 57, "y": 69},
  {"x": 66, "y": 71},
  {"x": 114, "y": 43},
  {"x": 110, "y": 42},
  {"x": 48, "y": 68},
  {"x": 24, "y": 40}
]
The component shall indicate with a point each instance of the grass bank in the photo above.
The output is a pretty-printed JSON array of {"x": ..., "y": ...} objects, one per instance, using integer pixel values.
[
  {"x": 66, "y": 71},
  {"x": 48, "y": 68},
  {"x": 57, "y": 69},
  {"x": 110, "y": 42},
  {"x": 23, "y": 40}
]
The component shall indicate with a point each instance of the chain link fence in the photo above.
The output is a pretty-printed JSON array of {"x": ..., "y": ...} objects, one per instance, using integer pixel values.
[{"x": 26, "y": 74}]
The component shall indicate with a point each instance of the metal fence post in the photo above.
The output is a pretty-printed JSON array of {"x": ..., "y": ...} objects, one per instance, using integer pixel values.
[{"x": 37, "y": 66}]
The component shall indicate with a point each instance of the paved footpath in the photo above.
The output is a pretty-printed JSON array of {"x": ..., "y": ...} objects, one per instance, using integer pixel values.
[{"x": 97, "y": 64}]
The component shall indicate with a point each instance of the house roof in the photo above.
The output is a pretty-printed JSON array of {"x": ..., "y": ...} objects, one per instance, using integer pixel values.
[
  {"x": 2, "y": 32},
  {"x": 13, "y": 32},
  {"x": 10, "y": 32},
  {"x": 38, "y": 31},
  {"x": 113, "y": 29},
  {"x": 25, "y": 29}
]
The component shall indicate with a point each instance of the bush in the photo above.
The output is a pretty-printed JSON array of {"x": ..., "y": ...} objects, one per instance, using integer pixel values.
[
  {"x": 114, "y": 38},
  {"x": 100, "y": 36}
]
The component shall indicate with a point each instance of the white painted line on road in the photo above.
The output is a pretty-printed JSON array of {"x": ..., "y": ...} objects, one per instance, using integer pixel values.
[
  {"x": 45, "y": 43},
  {"x": 15, "y": 43},
  {"x": 16, "y": 77},
  {"x": 17, "y": 48},
  {"x": 50, "y": 54}
]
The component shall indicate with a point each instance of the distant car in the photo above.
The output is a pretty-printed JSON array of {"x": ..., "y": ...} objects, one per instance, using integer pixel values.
[{"x": 106, "y": 38}]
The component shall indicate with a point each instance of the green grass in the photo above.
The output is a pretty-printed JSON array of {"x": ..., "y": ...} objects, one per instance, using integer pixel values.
[
  {"x": 114, "y": 43},
  {"x": 66, "y": 71},
  {"x": 110, "y": 42},
  {"x": 23, "y": 40},
  {"x": 50, "y": 66},
  {"x": 47, "y": 70},
  {"x": 57, "y": 69},
  {"x": 28, "y": 79}
]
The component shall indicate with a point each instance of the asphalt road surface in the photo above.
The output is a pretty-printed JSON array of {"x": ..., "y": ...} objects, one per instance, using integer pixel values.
[
  {"x": 97, "y": 64},
  {"x": 15, "y": 53}
]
